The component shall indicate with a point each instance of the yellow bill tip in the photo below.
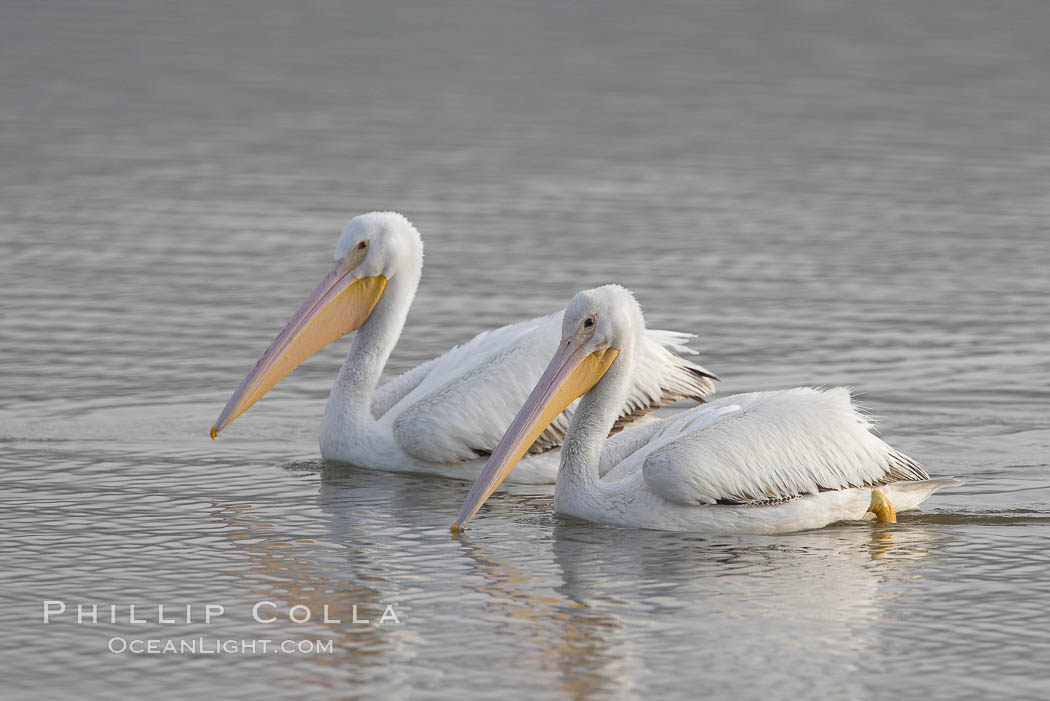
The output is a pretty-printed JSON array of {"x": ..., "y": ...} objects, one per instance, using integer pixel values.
[
  {"x": 213, "y": 433},
  {"x": 456, "y": 528}
]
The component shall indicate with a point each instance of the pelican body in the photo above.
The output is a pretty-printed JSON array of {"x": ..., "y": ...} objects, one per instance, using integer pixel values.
[
  {"x": 446, "y": 415},
  {"x": 766, "y": 462}
]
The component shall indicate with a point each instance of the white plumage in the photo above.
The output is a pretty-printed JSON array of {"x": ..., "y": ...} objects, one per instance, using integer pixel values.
[
  {"x": 765, "y": 462},
  {"x": 464, "y": 403},
  {"x": 444, "y": 416},
  {"x": 753, "y": 463},
  {"x": 768, "y": 447}
]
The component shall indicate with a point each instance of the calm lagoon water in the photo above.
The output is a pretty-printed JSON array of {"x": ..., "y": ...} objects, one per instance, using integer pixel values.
[{"x": 827, "y": 193}]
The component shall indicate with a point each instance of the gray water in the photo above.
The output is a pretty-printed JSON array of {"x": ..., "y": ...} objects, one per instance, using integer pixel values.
[{"x": 827, "y": 193}]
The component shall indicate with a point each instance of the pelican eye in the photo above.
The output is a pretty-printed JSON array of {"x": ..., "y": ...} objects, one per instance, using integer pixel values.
[
  {"x": 363, "y": 245},
  {"x": 588, "y": 322}
]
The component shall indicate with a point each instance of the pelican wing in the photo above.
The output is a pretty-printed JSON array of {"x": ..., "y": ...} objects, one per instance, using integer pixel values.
[
  {"x": 469, "y": 396},
  {"x": 770, "y": 447},
  {"x": 395, "y": 390}
]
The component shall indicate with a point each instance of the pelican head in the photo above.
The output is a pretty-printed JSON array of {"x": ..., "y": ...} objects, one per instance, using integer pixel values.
[
  {"x": 388, "y": 240},
  {"x": 372, "y": 250},
  {"x": 615, "y": 318},
  {"x": 597, "y": 326}
]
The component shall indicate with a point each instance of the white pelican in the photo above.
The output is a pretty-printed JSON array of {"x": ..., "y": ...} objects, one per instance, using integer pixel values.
[
  {"x": 444, "y": 416},
  {"x": 767, "y": 462}
]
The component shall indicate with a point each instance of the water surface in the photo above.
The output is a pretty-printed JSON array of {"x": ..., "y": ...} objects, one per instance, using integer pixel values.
[{"x": 827, "y": 193}]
